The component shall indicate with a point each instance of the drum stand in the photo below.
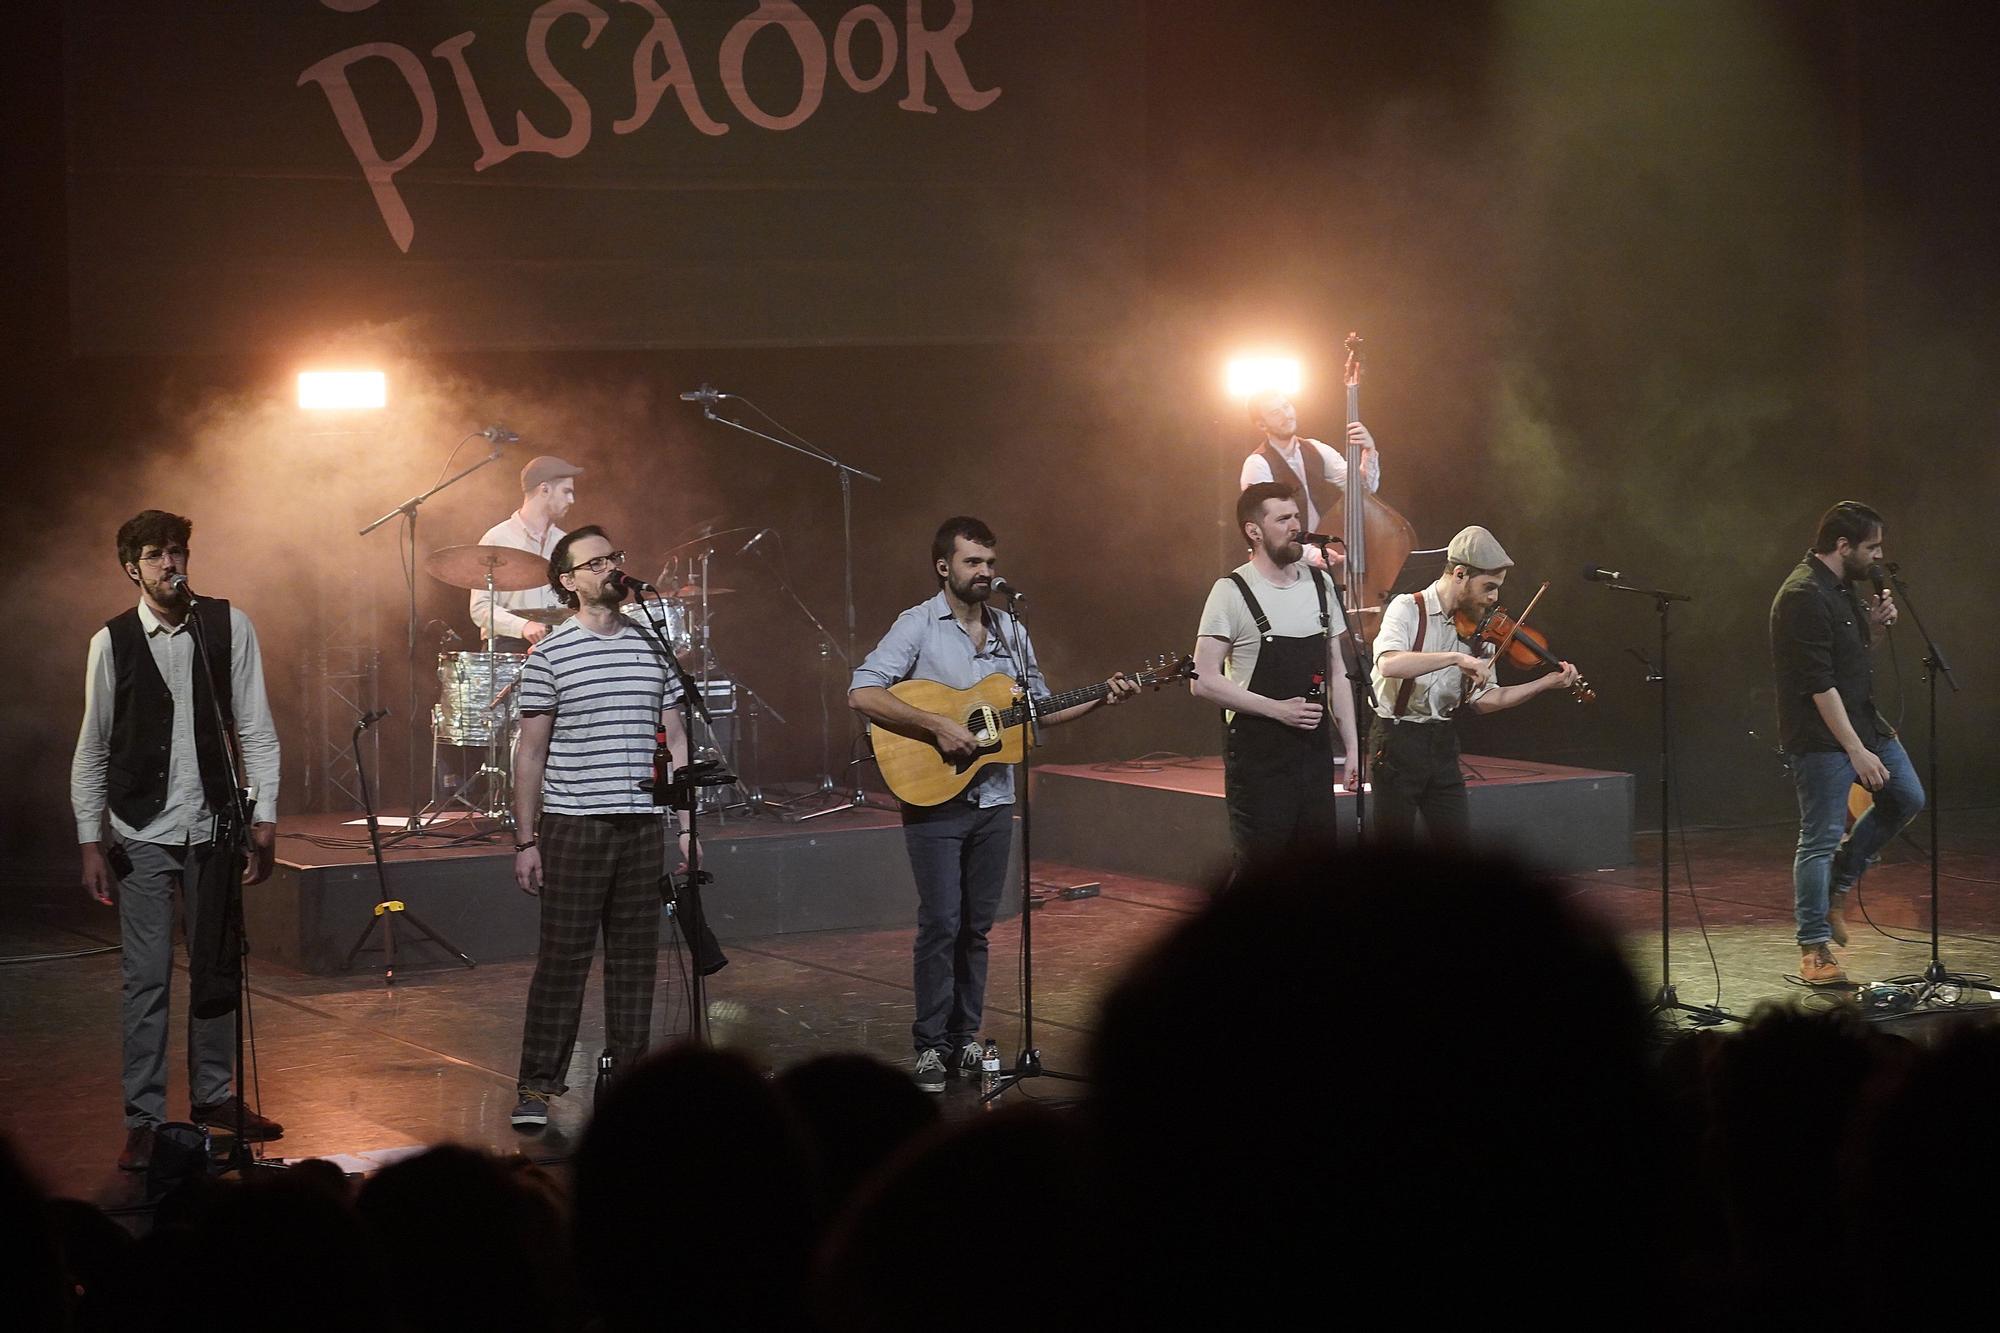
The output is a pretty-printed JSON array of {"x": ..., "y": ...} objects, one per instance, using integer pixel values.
[{"x": 499, "y": 786}]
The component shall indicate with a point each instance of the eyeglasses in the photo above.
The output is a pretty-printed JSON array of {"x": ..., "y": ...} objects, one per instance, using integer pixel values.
[
  {"x": 598, "y": 564},
  {"x": 161, "y": 557}
]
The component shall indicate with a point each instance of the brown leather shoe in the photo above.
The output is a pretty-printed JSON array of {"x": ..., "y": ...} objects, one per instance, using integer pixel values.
[
  {"x": 1836, "y": 918},
  {"x": 138, "y": 1154},
  {"x": 1818, "y": 968},
  {"x": 221, "y": 1121}
]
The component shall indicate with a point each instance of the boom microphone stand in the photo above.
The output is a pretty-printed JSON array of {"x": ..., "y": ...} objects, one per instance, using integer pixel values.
[
  {"x": 1666, "y": 999},
  {"x": 1936, "y": 975},
  {"x": 708, "y": 396},
  {"x": 407, "y": 511}
]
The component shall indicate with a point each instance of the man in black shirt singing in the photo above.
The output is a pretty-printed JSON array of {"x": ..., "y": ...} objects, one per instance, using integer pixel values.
[{"x": 1820, "y": 636}]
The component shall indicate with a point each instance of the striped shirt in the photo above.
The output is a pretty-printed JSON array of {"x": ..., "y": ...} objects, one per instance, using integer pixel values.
[{"x": 607, "y": 693}]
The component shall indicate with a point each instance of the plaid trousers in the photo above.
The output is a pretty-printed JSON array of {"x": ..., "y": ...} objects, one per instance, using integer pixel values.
[{"x": 598, "y": 871}]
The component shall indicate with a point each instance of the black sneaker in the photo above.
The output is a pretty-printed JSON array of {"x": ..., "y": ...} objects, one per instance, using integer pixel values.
[
  {"x": 532, "y": 1113},
  {"x": 929, "y": 1072},
  {"x": 970, "y": 1057}
]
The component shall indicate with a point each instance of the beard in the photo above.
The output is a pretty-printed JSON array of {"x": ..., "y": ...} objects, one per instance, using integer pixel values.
[
  {"x": 1286, "y": 553},
  {"x": 610, "y": 593},
  {"x": 975, "y": 590},
  {"x": 159, "y": 591}
]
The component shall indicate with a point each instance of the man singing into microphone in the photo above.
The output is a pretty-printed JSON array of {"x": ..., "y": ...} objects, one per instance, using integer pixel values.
[
  {"x": 150, "y": 755},
  {"x": 958, "y": 850},
  {"x": 1831, "y": 731},
  {"x": 1309, "y": 468},
  {"x": 1278, "y": 622},
  {"x": 1424, "y": 674},
  {"x": 548, "y": 491},
  {"x": 590, "y": 840}
]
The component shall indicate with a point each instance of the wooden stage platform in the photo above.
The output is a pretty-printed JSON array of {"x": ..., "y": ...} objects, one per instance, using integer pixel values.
[{"x": 1164, "y": 818}]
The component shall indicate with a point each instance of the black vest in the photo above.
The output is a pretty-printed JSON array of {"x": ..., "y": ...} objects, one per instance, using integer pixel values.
[
  {"x": 1325, "y": 496},
  {"x": 142, "y": 718}
]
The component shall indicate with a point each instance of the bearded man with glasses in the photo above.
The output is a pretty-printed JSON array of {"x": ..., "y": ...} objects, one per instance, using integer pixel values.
[{"x": 591, "y": 843}]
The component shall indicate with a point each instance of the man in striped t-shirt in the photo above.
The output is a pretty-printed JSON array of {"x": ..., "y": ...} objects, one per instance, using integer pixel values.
[{"x": 591, "y": 842}]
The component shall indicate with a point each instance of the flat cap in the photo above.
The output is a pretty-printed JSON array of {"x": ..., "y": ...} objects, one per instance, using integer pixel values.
[
  {"x": 1477, "y": 548},
  {"x": 546, "y": 468}
]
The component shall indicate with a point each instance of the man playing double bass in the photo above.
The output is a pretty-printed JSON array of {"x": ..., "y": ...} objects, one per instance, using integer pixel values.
[
  {"x": 1424, "y": 674},
  {"x": 1309, "y": 468}
]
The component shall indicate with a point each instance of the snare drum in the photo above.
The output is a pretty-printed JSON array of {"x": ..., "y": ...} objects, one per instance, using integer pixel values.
[
  {"x": 671, "y": 612},
  {"x": 477, "y": 700}
]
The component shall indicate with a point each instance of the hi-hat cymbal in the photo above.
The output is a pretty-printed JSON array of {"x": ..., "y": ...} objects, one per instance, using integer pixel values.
[
  {"x": 466, "y": 567},
  {"x": 543, "y": 615}
]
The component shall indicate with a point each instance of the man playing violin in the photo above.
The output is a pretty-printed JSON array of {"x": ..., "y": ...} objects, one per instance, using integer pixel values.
[
  {"x": 1831, "y": 730},
  {"x": 1424, "y": 673}
]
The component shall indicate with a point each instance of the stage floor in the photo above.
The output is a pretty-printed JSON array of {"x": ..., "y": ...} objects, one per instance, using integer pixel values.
[{"x": 353, "y": 1067}]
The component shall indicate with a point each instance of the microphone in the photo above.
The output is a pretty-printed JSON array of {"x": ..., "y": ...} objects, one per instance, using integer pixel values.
[
  {"x": 1876, "y": 576},
  {"x": 762, "y": 533},
  {"x": 1596, "y": 575},
  {"x": 370, "y": 718},
  {"x": 179, "y": 583},
  {"x": 1008, "y": 590},
  {"x": 500, "y": 435},
  {"x": 1321, "y": 539},
  {"x": 618, "y": 581},
  {"x": 707, "y": 393},
  {"x": 634, "y": 581}
]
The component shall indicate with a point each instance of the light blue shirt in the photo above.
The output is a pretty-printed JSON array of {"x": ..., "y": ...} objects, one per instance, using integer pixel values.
[{"x": 928, "y": 642}]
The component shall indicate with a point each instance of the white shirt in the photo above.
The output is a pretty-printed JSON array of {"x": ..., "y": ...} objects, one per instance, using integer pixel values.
[
  {"x": 1332, "y": 466},
  {"x": 1293, "y": 612},
  {"x": 184, "y": 817},
  {"x": 1434, "y": 696},
  {"x": 513, "y": 532}
]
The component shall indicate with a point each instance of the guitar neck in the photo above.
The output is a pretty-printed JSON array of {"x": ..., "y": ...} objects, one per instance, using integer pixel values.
[{"x": 1056, "y": 703}]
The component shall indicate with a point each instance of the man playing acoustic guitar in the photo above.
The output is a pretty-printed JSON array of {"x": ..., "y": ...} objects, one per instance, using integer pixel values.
[{"x": 959, "y": 848}]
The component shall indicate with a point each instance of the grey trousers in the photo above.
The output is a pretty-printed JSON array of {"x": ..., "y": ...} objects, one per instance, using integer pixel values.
[{"x": 146, "y": 897}]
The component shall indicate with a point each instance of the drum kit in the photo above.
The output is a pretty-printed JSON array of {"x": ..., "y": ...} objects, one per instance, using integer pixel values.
[{"x": 478, "y": 707}]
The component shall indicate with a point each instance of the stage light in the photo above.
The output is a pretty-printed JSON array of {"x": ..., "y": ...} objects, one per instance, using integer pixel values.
[
  {"x": 1260, "y": 374},
  {"x": 342, "y": 390}
]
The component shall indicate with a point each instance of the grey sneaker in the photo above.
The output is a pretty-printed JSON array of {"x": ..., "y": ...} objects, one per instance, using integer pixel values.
[
  {"x": 533, "y": 1111},
  {"x": 929, "y": 1072},
  {"x": 969, "y": 1057}
]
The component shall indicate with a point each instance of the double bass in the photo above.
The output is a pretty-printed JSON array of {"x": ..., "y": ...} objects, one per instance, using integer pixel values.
[{"x": 1378, "y": 540}]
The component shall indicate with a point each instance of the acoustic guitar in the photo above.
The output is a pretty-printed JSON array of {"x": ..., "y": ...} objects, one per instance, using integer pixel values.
[{"x": 921, "y": 774}]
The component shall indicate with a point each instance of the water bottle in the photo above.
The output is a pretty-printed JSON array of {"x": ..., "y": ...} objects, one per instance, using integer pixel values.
[
  {"x": 607, "y": 1067},
  {"x": 989, "y": 1068}
]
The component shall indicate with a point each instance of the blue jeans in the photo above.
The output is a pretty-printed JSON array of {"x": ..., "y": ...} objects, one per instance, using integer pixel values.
[
  {"x": 959, "y": 856},
  {"x": 1826, "y": 865}
]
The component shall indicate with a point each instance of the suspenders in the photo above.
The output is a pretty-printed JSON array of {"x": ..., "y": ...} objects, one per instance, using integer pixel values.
[{"x": 1264, "y": 621}]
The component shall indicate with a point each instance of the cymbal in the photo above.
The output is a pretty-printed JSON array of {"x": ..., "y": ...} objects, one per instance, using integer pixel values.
[
  {"x": 466, "y": 567},
  {"x": 692, "y": 592},
  {"x": 706, "y": 537},
  {"x": 543, "y": 615}
]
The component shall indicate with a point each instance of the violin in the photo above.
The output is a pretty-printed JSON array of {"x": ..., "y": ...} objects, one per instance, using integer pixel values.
[{"x": 1527, "y": 647}]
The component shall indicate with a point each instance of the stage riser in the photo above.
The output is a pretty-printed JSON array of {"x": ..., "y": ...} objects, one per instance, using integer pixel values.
[
  {"x": 834, "y": 879},
  {"x": 1565, "y": 824}
]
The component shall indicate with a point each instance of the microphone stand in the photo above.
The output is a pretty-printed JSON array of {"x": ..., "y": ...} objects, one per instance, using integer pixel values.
[
  {"x": 856, "y": 797},
  {"x": 1666, "y": 999},
  {"x": 828, "y": 784},
  {"x": 231, "y": 841},
  {"x": 1936, "y": 975},
  {"x": 1028, "y": 1062},
  {"x": 682, "y": 791},
  {"x": 408, "y": 512},
  {"x": 386, "y": 908}
]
